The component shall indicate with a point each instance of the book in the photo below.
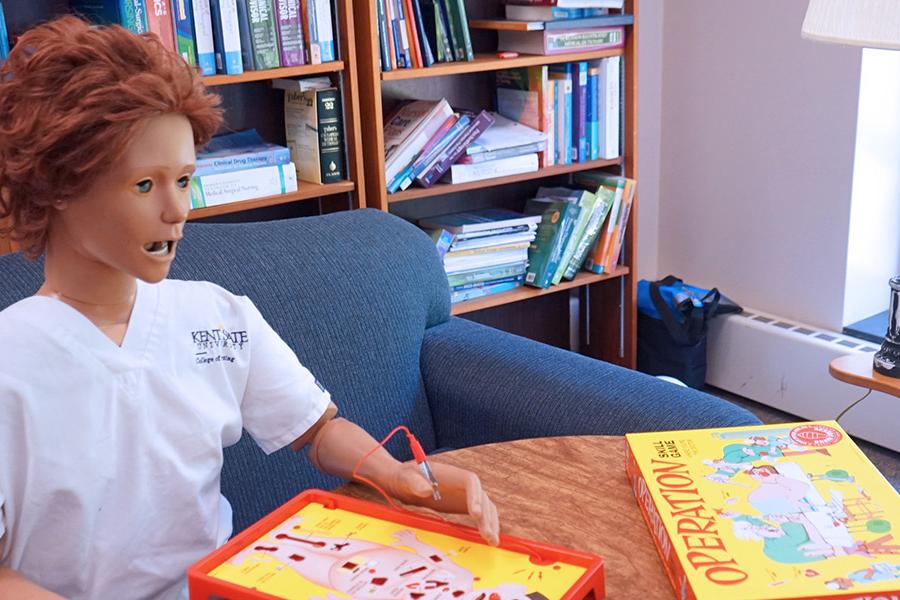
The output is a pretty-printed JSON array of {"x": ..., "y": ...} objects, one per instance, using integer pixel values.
[
  {"x": 226, "y": 37},
  {"x": 472, "y": 286},
  {"x": 792, "y": 510},
  {"x": 4, "y": 35},
  {"x": 290, "y": 33},
  {"x": 486, "y": 274},
  {"x": 203, "y": 36},
  {"x": 610, "y": 106},
  {"x": 423, "y": 40},
  {"x": 456, "y": 264},
  {"x": 459, "y": 25},
  {"x": 456, "y": 149},
  {"x": 130, "y": 14},
  {"x": 561, "y": 76},
  {"x": 324, "y": 31},
  {"x": 502, "y": 167},
  {"x": 560, "y": 41},
  {"x": 549, "y": 13},
  {"x": 245, "y": 36},
  {"x": 314, "y": 129},
  {"x": 384, "y": 44},
  {"x": 593, "y": 114},
  {"x": 505, "y": 133},
  {"x": 263, "y": 37},
  {"x": 415, "y": 49},
  {"x": 436, "y": 30},
  {"x": 611, "y": 259},
  {"x": 442, "y": 240},
  {"x": 604, "y": 197},
  {"x": 404, "y": 120},
  {"x": 484, "y": 219},
  {"x": 183, "y": 20},
  {"x": 487, "y": 290},
  {"x": 247, "y": 184},
  {"x": 241, "y": 150},
  {"x": 594, "y": 180},
  {"x": 579, "y": 112},
  {"x": 523, "y": 95},
  {"x": 493, "y": 241},
  {"x": 430, "y": 152},
  {"x": 617, "y": 4},
  {"x": 557, "y": 220},
  {"x": 159, "y": 21},
  {"x": 455, "y": 253},
  {"x": 451, "y": 29},
  {"x": 495, "y": 231},
  {"x": 480, "y": 157}
]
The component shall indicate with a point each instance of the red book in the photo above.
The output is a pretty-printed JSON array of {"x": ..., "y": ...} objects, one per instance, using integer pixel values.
[
  {"x": 414, "y": 47},
  {"x": 159, "y": 21}
]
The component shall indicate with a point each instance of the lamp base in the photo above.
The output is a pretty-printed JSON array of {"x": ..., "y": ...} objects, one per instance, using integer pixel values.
[{"x": 887, "y": 359}]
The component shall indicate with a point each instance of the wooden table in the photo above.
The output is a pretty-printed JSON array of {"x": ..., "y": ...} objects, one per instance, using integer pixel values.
[
  {"x": 857, "y": 370},
  {"x": 568, "y": 491}
]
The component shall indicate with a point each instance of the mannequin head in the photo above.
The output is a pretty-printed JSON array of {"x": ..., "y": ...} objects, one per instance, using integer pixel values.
[{"x": 79, "y": 105}]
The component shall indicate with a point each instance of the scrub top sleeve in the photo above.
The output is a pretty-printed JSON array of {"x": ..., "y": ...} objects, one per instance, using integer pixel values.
[{"x": 282, "y": 399}]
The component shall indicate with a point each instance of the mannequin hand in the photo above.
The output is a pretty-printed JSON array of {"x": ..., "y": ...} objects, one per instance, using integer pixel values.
[{"x": 460, "y": 490}]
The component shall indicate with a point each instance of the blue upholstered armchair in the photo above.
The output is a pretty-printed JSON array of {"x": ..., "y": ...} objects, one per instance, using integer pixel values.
[{"x": 362, "y": 299}]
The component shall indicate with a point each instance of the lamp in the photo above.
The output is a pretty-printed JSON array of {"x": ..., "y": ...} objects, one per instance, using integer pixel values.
[{"x": 872, "y": 24}]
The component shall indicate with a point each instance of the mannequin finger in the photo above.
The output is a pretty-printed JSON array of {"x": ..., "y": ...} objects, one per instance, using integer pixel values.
[{"x": 474, "y": 496}]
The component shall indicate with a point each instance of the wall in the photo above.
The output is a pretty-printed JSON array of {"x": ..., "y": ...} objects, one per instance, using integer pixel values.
[
  {"x": 650, "y": 52},
  {"x": 758, "y": 131}
]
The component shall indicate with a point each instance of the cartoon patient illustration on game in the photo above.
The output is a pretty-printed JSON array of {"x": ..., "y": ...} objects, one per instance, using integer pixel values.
[{"x": 364, "y": 569}]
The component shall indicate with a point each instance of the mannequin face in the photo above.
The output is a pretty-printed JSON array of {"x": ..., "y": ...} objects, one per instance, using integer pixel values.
[{"x": 130, "y": 219}]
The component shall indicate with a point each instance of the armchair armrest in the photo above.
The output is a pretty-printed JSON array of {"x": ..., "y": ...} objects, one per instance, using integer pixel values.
[{"x": 486, "y": 385}]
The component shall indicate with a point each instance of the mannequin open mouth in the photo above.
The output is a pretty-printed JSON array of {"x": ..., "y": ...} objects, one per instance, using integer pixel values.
[{"x": 159, "y": 248}]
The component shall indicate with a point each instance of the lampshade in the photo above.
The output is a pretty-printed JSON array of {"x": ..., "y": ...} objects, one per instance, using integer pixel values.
[{"x": 869, "y": 23}]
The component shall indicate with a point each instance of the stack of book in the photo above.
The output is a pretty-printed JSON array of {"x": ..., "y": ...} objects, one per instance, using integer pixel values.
[
  {"x": 426, "y": 141},
  {"x": 418, "y": 33},
  {"x": 558, "y": 26},
  {"x": 241, "y": 166},
  {"x": 577, "y": 105},
  {"x": 4, "y": 35},
  {"x": 484, "y": 251},
  {"x": 227, "y": 36}
]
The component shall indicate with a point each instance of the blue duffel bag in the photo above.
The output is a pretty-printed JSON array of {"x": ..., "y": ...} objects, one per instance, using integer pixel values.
[{"x": 673, "y": 318}]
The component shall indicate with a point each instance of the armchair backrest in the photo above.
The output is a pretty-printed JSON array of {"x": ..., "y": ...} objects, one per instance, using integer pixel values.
[{"x": 352, "y": 293}]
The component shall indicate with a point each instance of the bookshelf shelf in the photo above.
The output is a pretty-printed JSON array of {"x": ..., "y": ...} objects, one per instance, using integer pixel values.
[
  {"x": 526, "y": 293},
  {"x": 489, "y": 62},
  {"x": 449, "y": 188},
  {"x": 305, "y": 191},
  {"x": 248, "y": 76}
]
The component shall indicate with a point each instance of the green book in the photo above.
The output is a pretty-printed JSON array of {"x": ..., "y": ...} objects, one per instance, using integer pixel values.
[
  {"x": 557, "y": 221},
  {"x": 263, "y": 37},
  {"x": 585, "y": 201},
  {"x": 486, "y": 274},
  {"x": 604, "y": 197},
  {"x": 459, "y": 28}
]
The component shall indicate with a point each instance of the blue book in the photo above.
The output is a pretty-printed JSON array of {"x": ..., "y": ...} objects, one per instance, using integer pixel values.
[
  {"x": 226, "y": 37},
  {"x": 579, "y": 111},
  {"x": 409, "y": 174},
  {"x": 244, "y": 32},
  {"x": 587, "y": 23},
  {"x": 4, "y": 35},
  {"x": 131, "y": 14},
  {"x": 203, "y": 36},
  {"x": 183, "y": 19},
  {"x": 593, "y": 115},
  {"x": 238, "y": 151},
  {"x": 487, "y": 290},
  {"x": 563, "y": 74}
]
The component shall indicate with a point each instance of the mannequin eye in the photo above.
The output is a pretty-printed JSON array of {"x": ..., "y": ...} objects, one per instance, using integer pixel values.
[
  {"x": 184, "y": 182},
  {"x": 144, "y": 186}
]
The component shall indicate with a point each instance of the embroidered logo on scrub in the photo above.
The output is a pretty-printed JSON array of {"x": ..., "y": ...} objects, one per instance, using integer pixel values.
[{"x": 218, "y": 345}]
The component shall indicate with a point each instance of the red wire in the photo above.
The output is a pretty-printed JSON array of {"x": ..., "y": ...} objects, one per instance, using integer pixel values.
[{"x": 370, "y": 453}]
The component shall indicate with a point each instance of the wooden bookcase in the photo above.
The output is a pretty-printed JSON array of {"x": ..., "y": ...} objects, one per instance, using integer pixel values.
[
  {"x": 250, "y": 102},
  {"x": 593, "y": 314}
]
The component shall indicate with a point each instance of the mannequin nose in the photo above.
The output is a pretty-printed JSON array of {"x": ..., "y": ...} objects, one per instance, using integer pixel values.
[{"x": 176, "y": 206}]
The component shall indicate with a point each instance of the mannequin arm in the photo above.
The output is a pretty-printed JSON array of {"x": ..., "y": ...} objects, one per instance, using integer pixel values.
[
  {"x": 14, "y": 586},
  {"x": 338, "y": 445}
]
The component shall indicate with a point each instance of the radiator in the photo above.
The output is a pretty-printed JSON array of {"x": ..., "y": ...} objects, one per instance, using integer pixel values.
[{"x": 784, "y": 364}]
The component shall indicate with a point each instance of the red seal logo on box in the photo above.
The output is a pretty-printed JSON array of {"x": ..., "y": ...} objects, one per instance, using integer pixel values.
[{"x": 815, "y": 435}]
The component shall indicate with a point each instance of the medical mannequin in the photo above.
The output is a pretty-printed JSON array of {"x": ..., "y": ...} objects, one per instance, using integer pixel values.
[{"x": 98, "y": 129}]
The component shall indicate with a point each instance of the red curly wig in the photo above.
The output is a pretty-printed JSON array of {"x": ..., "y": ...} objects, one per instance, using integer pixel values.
[{"x": 72, "y": 95}]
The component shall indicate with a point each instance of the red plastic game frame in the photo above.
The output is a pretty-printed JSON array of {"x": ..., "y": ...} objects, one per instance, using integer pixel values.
[{"x": 202, "y": 586}]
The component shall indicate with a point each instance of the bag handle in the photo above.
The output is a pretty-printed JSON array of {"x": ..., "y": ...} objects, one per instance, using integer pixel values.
[{"x": 685, "y": 333}]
